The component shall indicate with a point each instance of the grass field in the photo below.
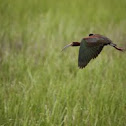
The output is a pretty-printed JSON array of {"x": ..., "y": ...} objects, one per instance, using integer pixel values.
[{"x": 42, "y": 86}]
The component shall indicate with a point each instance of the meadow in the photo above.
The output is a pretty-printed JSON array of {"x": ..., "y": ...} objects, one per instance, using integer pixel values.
[{"x": 42, "y": 86}]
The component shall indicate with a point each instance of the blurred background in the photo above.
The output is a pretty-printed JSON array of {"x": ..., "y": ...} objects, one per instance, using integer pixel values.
[{"x": 42, "y": 86}]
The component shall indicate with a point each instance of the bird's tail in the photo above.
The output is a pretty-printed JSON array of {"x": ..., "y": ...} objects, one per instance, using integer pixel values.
[{"x": 115, "y": 46}]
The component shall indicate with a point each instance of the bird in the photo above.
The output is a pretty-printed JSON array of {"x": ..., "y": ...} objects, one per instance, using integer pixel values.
[{"x": 90, "y": 48}]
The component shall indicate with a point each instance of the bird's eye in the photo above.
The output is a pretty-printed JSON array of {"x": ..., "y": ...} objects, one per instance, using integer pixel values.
[{"x": 90, "y": 34}]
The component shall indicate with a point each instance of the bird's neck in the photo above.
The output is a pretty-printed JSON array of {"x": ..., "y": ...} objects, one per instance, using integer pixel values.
[{"x": 75, "y": 43}]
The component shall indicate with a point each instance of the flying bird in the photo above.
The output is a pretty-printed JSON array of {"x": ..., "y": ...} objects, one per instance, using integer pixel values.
[{"x": 90, "y": 48}]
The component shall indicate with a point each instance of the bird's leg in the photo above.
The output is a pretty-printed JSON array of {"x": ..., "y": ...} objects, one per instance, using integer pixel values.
[
  {"x": 115, "y": 46},
  {"x": 72, "y": 44},
  {"x": 120, "y": 49}
]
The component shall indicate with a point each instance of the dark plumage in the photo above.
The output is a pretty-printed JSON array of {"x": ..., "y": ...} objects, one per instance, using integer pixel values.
[{"x": 90, "y": 48}]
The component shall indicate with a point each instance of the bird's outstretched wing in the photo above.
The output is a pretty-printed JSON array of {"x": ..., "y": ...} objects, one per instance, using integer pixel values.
[{"x": 86, "y": 53}]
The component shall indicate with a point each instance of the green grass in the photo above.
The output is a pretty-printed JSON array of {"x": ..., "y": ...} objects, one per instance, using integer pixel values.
[{"x": 42, "y": 86}]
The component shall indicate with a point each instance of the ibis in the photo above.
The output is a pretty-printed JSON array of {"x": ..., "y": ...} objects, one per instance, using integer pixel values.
[{"x": 90, "y": 48}]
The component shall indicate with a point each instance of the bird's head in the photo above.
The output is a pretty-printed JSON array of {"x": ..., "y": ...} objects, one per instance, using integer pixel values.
[{"x": 72, "y": 44}]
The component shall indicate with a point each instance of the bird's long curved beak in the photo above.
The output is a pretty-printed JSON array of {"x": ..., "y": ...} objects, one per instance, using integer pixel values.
[{"x": 67, "y": 46}]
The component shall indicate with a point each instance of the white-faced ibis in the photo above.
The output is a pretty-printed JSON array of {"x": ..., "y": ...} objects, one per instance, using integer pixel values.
[{"x": 90, "y": 47}]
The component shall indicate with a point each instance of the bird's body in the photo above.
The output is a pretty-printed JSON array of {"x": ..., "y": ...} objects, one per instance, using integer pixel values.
[{"x": 90, "y": 47}]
